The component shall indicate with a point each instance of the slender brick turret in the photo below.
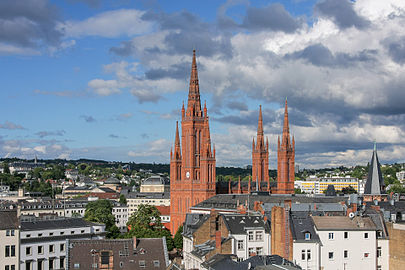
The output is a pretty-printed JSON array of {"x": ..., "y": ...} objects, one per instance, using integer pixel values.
[{"x": 285, "y": 159}]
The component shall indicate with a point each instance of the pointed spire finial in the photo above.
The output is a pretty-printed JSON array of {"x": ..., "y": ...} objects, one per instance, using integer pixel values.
[
  {"x": 375, "y": 145},
  {"x": 177, "y": 140},
  {"x": 260, "y": 125}
]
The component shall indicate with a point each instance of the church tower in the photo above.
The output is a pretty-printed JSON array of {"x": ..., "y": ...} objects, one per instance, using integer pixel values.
[
  {"x": 192, "y": 163},
  {"x": 285, "y": 159},
  {"x": 260, "y": 158}
]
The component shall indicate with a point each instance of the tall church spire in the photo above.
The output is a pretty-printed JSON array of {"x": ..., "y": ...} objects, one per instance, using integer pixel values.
[
  {"x": 192, "y": 175},
  {"x": 194, "y": 103},
  {"x": 285, "y": 159},
  {"x": 375, "y": 182},
  {"x": 286, "y": 127},
  {"x": 260, "y": 155}
]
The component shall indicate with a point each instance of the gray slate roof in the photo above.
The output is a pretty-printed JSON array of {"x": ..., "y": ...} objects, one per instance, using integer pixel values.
[
  {"x": 237, "y": 224},
  {"x": 375, "y": 181},
  {"x": 231, "y": 201},
  {"x": 192, "y": 222},
  {"x": 59, "y": 223},
  {"x": 301, "y": 223},
  {"x": 8, "y": 220}
]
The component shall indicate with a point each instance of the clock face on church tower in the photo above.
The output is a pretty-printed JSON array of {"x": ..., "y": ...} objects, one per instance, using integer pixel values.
[{"x": 188, "y": 175}]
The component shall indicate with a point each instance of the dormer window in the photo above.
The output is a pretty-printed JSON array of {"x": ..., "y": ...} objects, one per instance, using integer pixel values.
[{"x": 307, "y": 236}]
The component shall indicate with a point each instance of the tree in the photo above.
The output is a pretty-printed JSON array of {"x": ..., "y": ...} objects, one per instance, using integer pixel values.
[
  {"x": 349, "y": 190},
  {"x": 123, "y": 200},
  {"x": 101, "y": 211},
  {"x": 145, "y": 222},
  {"x": 6, "y": 168},
  {"x": 178, "y": 238},
  {"x": 298, "y": 191},
  {"x": 396, "y": 188}
]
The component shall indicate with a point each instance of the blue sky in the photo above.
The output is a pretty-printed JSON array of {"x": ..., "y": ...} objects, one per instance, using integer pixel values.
[{"x": 106, "y": 79}]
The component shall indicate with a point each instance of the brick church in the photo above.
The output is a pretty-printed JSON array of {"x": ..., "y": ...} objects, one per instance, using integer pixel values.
[{"x": 192, "y": 160}]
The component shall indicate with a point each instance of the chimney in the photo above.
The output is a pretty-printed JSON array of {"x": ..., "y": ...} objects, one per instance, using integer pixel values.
[
  {"x": 218, "y": 241},
  {"x": 135, "y": 242}
]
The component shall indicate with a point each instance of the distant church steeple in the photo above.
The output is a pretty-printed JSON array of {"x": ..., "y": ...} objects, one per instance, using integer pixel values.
[
  {"x": 375, "y": 182},
  {"x": 260, "y": 157},
  {"x": 285, "y": 159}
]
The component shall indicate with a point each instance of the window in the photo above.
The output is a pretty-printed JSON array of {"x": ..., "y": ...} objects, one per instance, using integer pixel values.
[
  {"x": 51, "y": 233},
  {"x": 330, "y": 255},
  {"x": 259, "y": 236},
  {"x": 62, "y": 247},
  {"x": 7, "y": 253},
  {"x": 28, "y": 235},
  {"x": 72, "y": 232},
  {"x": 62, "y": 262},
  {"x": 331, "y": 236},
  {"x": 76, "y": 265},
  {"x": 156, "y": 263},
  {"x": 12, "y": 234},
  {"x": 51, "y": 264},
  {"x": 8, "y": 234},
  {"x": 40, "y": 265},
  {"x": 250, "y": 234},
  {"x": 379, "y": 252},
  {"x": 303, "y": 255},
  {"x": 251, "y": 251},
  {"x": 12, "y": 267},
  {"x": 379, "y": 267},
  {"x": 105, "y": 257},
  {"x": 346, "y": 235},
  {"x": 40, "y": 250},
  {"x": 28, "y": 251},
  {"x": 308, "y": 254},
  {"x": 259, "y": 251},
  {"x": 307, "y": 236},
  {"x": 27, "y": 265},
  {"x": 345, "y": 254},
  {"x": 40, "y": 234},
  {"x": 13, "y": 251},
  {"x": 240, "y": 245},
  {"x": 365, "y": 235},
  {"x": 62, "y": 233},
  {"x": 7, "y": 267},
  {"x": 366, "y": 255},
  {"x": 142, "y": 264}
]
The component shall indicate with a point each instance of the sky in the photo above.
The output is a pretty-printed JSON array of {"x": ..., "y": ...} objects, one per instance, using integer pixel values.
[{"x": 107, "y": 79}]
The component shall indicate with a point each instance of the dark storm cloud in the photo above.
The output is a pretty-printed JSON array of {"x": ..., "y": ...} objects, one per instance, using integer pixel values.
[
  {"x": 271, "y": 18},
  {"x": 236, "y": 105},
  {"x": 28, "y": 23},
  {"x": 90, "y": 3},
  {"x": 185, "y": 32},
  {"x": 319, "y": 55},
  {"x": 249, "y": 118},
  {"x": 88, "y": 118},
  {"x": 176, "y": 71},
  {"x": 396, "y": 50},
  {"x": 43, "y": 134},
  {"x": 342, "y": 13},
  {"x": 182, "y": 20}
]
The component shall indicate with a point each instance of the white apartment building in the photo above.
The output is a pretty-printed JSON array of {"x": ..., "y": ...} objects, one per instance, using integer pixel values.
[
  {"x": 9, "y": 240},
  {"x": 43, "y": 242},
  {"x": 347, "y": 243},
  {"x": 156, "y": 199},
  {"x": 250, "y": 235},
  {"x": 319, "y": 185}
]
